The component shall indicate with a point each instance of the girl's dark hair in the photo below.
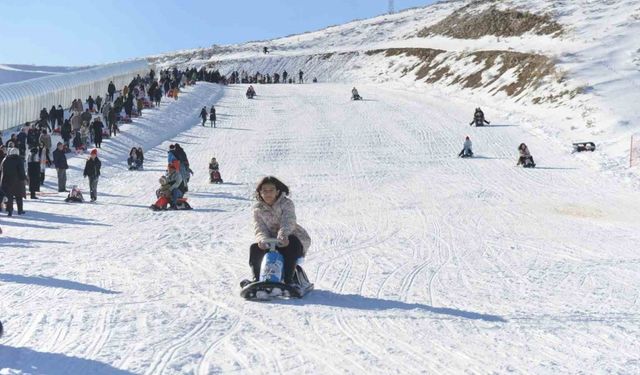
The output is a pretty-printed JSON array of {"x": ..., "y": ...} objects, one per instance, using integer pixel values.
[{"x": 284, "y": 189}]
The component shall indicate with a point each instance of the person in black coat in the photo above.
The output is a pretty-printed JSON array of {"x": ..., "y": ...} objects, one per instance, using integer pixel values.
[
  {"x": 60, "y": 162},
  {"x": 212, "y": 116},
  {"x": 92, "y": 170},
  {"x": 96, "y": 128},
  {"x": 65, "y": 132},
  {"x": 203, "y": 115},
  {"x": 13, "y": 179},
  {"x": 53, "y": 116},
  {"x": 33, "y": 172},
  {"x": 111, "y": 90},
  {"x": 91, "y": 102},
  {"x": 22, "y": 140}
]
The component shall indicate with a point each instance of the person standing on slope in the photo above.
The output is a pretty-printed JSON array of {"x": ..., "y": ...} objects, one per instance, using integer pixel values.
[
  {"x": 212, "y": 116},
  {"x": 12, "y": 179},
  {"x": 60, "y": 162},
  {"x": 203, "y": 115},
  {"x": 274, "y": 216},
  {"x": 92, "y": 170}
]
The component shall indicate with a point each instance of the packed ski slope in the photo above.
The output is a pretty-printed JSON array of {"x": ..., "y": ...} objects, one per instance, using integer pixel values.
[{"x": 423, "y": 262}]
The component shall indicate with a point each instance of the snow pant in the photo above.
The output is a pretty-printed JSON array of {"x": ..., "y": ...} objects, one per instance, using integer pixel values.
[
  {"x": 290, "y": 253},
  {"x": 93, "y": 187},
  {"x": 204, "y": 120},
  {"x": 34, "y": 186},
  {"x": 523, "y": 160},
  {"x": 18, "y": 199},
  {"x": 463, "y": 151},
  {"x": 175, "y": 195},
  {"x": 62, "y": 179},
  {"x": 42, "y": 174}
]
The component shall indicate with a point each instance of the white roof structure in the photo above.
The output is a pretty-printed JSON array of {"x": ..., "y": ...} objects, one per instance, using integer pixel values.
[{"x": 22, "y": 101}]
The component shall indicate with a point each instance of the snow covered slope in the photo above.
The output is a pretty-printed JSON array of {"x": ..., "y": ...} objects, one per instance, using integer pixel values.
[
  {"x": 571, "y": 66},
  {"x": 423, "y": 263}
]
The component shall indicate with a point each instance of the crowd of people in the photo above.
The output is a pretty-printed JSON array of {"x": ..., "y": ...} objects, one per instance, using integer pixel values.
[
  {"x": 257, "y": 77},
  {"x": 27, "y": 153}
]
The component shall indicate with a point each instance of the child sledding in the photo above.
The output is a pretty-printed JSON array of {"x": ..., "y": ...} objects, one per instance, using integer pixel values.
[
  {"x": 171, "y": 192},
  {"x": 214, "y": 172}
]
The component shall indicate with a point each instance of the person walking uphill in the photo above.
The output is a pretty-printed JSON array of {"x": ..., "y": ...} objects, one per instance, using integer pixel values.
[
  {"x": 60, "y": 162},
  {"x": 203, "y": 115},
  {"x": 212, "y": 116},
  {"x": 12, "y": 179},
  {"x": 274, "y": 216},
  {"x": 92, "y": 170}
]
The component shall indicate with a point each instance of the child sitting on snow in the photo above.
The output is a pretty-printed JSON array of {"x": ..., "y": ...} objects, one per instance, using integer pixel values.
[
  {"x": 466, "y": 149},
  {"x": 214, "y": 173},
  {"x": 75, "y": 195},
  {"x": 163, "y": 194}
]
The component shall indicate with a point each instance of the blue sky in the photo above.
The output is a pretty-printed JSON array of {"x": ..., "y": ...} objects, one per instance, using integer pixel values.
[{"x": 71, "y": 32}]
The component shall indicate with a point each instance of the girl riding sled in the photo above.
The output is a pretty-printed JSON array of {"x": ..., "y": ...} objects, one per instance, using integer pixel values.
[{"x": 274, "y": 216}]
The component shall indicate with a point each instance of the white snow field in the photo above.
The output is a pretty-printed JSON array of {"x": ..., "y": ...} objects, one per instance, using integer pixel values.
[{"x": 423, "y": 263}]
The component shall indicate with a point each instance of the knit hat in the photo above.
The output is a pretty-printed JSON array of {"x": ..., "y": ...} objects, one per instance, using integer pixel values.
[
  {"x": 13, "y": 151},
  {"x": 94, "y": 151}
]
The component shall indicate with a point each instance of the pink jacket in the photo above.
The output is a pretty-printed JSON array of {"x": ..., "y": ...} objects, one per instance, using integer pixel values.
[{"x": 278, "y": 221}]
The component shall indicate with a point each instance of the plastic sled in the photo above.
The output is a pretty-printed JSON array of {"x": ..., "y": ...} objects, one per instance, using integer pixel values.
[{"x": 266, "y": 290}]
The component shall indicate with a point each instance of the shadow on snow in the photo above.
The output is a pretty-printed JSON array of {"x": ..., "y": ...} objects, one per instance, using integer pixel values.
[
  {"x": 29, "y": 361},
  {"x": 25, "y": 242},
  {"x": 53, "y": 283},
  {"x": 357, "y": 302}
]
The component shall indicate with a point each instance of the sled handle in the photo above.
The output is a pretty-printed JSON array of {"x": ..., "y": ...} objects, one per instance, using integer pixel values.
[{"x": 272, "y": 242}]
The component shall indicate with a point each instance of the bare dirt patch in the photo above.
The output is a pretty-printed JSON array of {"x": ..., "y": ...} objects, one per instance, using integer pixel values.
[{"x": 465, "y": 24}]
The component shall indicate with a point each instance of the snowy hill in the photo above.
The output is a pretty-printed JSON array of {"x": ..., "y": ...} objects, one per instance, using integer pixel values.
[
  {"x": 423, "y": 262},
  {"x": 568, "y": 70}
]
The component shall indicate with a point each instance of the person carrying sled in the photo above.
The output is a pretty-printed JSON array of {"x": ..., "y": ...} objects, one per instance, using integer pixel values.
[
  {"x": 274, "y": 216},
  {"x": 355, "y": 95},
  {"x": 525, "y": 157},
  {"x": 466, "y": 148},
  {"x": 478, "y": 118},
  {"x": 92, "y": 170},
  {"x": 203, "y": 115}
]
